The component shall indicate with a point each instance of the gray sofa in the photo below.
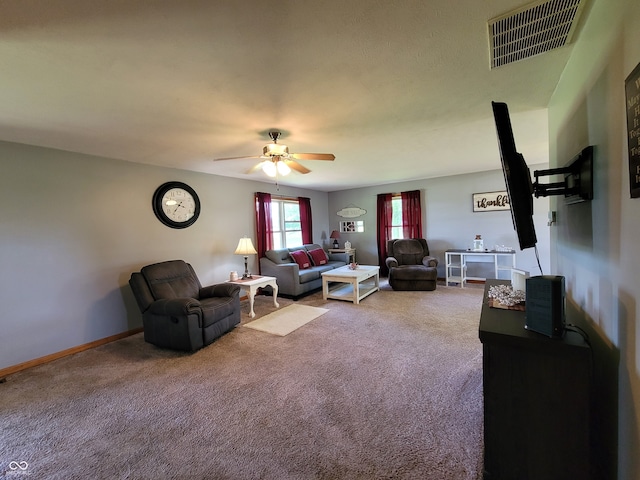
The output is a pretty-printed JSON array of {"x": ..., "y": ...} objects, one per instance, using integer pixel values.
[{"x": 292, "y": 281}]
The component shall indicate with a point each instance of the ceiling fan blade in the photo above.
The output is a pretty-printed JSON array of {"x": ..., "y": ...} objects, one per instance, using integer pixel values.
[
  {"x": 236, "y": 158},
  {"x": 313, "y": 156},
  {"x": 255, "y": 168},
  {"x": 296, "y": 166}
]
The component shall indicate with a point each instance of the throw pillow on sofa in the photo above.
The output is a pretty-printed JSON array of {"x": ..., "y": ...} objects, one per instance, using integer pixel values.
[
  {"x": 318, "y": 257},
  {"x": 301, "y": 258}
]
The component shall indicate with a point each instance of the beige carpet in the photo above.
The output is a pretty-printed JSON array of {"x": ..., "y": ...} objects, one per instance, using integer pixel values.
[
  {"x": 284, "y": 321},
  {"x": 388, "y": 389}
]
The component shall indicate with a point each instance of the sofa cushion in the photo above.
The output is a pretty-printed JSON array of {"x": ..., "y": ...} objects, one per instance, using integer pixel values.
[
  {"x": 216, "y": 308},
  {"x": 415, "y": 273},
  {"x": 318, "y": 257},
  {"x": 279, "y": 255},
  {"x": 328, "y": 266},
  {"x": 309, "y": 274},
  {"x": 301, "y": 258}
]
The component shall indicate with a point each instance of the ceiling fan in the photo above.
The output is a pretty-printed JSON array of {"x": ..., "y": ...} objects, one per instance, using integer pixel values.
[{"x": 276, "y": 158}]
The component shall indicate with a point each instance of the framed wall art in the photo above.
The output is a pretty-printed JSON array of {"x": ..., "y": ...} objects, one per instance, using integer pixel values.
[
  {"x": 491, "y": 201},
  {"x": 351, "y": 212},
  {"x": 353, "y": 226},
  {"x": 632, "y": 97}
]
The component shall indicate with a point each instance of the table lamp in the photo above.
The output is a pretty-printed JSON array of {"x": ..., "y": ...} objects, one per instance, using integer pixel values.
[
  {"x": 335, "y": 235},
  {"x": 245, "y": 247}
]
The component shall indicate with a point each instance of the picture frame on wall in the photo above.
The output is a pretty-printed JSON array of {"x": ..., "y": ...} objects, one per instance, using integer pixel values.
[
  {"x": 352, "y": 226},
  {"x": 632, "y": 99}
]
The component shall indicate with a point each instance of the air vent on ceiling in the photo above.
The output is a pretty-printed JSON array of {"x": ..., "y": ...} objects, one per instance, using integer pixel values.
[{"x": 532, "y": 30}]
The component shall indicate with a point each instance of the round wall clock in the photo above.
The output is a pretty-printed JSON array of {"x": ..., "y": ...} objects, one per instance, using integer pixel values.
[{"x": 176, "y": 204}]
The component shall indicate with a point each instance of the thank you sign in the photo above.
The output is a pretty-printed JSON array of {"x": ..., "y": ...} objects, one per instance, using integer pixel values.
[{"x": 490, "y": 201}]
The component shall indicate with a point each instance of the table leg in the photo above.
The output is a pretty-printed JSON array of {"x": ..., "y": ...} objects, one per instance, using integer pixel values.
[
  {"x": 274, "y": 285},
  {"x": 325, "y": 288},
  {"x": 251, "y": 294},
  {"x": 356, "y": 291}
]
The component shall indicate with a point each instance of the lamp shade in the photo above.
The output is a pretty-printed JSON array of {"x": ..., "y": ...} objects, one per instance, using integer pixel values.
[
  {"x": 269, "y": 168},
  {"x": 335, "y": 235},
  {"x": 245, "y": 247},
  {"x": 283, "y": 168}
]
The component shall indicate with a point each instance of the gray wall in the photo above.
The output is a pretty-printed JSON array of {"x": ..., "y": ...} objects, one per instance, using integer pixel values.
[
  {"x": 74, "y": 227},
  {"x": 596, "y": 243},
  {"x": 448, "y": 218}
]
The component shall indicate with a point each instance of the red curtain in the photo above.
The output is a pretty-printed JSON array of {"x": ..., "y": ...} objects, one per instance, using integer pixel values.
[
  {"x": 264, "y": 229},
  {"x": 411, "y": 214},
  {"x": 384, "y": 218},
  {"x": 305, "y": 219}
]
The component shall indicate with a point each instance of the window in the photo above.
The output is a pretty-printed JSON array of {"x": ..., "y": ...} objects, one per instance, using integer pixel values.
[
  {"x": 285, "y": 222},
  {"x": 396, "y": 219},
  {"x": 398, "y": 216}
]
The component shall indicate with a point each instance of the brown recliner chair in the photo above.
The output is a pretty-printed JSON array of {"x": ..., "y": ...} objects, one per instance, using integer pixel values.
[
  {"x": 410, "y": 265},
  {"x": 177, "y": 312}
]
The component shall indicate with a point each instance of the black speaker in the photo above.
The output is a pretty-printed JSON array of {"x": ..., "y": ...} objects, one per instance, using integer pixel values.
[{"x": 545, "y": 305}]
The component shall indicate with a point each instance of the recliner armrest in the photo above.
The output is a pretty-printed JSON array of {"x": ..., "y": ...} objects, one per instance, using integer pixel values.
[
  {"x": 219, "y": 290},
  {"x": 391, "y": 262},
  {"x": 174, "y": 306},
  {"x": 430, "y": 261}
]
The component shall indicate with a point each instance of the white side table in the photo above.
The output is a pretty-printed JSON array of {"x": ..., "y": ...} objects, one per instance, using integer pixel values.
[{"x": 251, "y": 286}]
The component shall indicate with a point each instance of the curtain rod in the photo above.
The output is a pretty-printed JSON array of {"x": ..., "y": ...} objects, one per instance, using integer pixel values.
[{"x": 280, "y": 197}]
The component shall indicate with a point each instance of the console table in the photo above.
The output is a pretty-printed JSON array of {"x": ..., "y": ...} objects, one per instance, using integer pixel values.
[
  {"x": 537, "y": 399},
  {"x": 456, "y": 263}
]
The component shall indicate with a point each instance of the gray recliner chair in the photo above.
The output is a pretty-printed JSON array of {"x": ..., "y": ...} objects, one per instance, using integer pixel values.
[
  {"x": 410, "y": 265},
  {"x": 177, "y": 312}
]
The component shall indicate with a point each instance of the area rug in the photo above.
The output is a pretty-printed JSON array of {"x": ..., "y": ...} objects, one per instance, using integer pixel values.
[{"x": 284, "y": 321}]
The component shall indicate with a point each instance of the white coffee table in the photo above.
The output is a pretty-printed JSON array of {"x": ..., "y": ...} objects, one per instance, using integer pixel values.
[
  {"x": 353, "y": 285},
  {"x": 251, "y": 286}
]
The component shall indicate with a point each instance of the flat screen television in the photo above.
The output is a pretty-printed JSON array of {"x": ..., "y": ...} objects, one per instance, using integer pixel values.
[{"x": 516, "y": 177}]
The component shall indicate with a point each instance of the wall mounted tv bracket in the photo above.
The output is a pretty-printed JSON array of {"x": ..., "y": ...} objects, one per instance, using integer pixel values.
[{"x": 577, "y": 185}]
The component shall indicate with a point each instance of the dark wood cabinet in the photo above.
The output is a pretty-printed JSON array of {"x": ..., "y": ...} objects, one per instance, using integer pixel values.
[{"x": 537, "y": 400}]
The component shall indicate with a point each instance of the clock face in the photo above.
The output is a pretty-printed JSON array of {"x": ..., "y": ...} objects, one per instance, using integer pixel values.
[{"x": 176, "y": 205}]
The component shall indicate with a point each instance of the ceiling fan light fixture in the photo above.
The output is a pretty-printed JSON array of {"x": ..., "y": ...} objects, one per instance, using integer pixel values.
[
  {"x": 283, "y": 168},
  {"x": 276, "y": 159},
  {"x": 269, "y": 168},
  {"x": 275, "y": 149}
]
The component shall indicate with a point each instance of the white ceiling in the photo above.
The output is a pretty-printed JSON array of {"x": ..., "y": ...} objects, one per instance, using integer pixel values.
[{"x": 396, "y": 89}]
